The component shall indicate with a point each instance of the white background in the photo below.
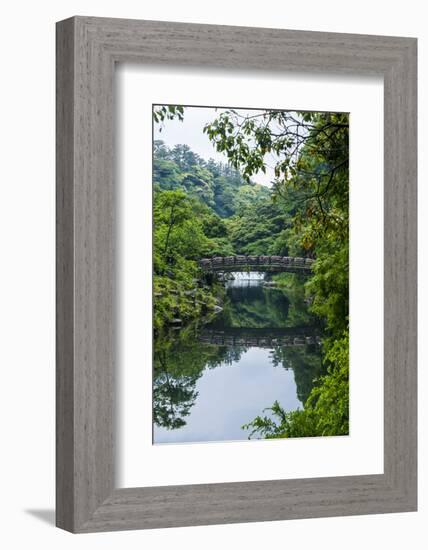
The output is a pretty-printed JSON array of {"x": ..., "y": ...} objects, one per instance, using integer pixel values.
[
  {"x": 362, "y": 451},
  {"x": 27, "y": 272}
]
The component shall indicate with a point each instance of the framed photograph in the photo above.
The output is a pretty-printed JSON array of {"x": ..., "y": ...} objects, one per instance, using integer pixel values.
[{"x": 236, "y": 274}]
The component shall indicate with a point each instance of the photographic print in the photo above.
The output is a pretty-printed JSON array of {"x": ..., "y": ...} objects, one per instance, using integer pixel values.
[{"x": 250, "y": 274}]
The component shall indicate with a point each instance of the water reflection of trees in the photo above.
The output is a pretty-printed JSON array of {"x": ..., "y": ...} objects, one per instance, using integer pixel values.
[
  {"x": 254, "y": 306},
  {"x": 180, "y": 357},
  {"x": 306, "y": 364},
  {"x": 257, "y": 306},
  {"x": 178, "y": 365}
]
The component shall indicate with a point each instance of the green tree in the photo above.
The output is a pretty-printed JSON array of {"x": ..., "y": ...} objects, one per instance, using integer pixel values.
[{"x": 183, "y": 235}]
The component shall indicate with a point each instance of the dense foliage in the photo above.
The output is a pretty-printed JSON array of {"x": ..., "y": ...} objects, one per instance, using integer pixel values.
[
  {"x": 238, "y": 213},
  {"x": 218, "y": 186},
  {"x": 182, "y": 235}
]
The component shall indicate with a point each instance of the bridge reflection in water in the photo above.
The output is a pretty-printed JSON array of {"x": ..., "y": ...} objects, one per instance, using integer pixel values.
[{"x": 261, "y": 337}]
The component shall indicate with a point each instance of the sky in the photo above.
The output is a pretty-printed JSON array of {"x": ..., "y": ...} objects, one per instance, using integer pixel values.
[{"x": 190, "y": 132}]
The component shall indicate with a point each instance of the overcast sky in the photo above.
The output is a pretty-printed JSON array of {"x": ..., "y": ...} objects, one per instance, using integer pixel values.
[{"x": 190, "y": 132}]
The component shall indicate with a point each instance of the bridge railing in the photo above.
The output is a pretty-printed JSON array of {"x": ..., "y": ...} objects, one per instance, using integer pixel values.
[{"x": 219, "y": 262}]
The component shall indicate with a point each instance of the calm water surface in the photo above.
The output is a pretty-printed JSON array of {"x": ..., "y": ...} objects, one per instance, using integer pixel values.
[{"x": 209, "y": 381}]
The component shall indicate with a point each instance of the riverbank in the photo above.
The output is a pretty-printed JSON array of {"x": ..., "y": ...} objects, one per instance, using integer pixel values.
[{"x": 177, "y": 303}]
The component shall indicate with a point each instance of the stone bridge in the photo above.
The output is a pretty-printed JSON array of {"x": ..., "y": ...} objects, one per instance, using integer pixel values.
[
  {"x": 261, "y": 337},
  {"x": 270, "y": 264}
]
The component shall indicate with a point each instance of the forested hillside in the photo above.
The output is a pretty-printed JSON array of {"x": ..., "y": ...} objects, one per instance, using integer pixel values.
[
  {"x": 218, "y": 186},
  {"x": 239, "y": 214}
]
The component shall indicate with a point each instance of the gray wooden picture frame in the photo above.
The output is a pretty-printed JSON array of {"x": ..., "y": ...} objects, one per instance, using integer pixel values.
[{"x": 87, "y": 50}]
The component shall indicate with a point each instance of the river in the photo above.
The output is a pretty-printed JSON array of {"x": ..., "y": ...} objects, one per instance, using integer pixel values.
[{"x": 210, "y": 380}]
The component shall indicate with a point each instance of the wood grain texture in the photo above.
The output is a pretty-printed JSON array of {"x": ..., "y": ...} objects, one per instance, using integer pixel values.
[
  {"x": 64, "y": 276},
  {"x": 87, "y": 49}
]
